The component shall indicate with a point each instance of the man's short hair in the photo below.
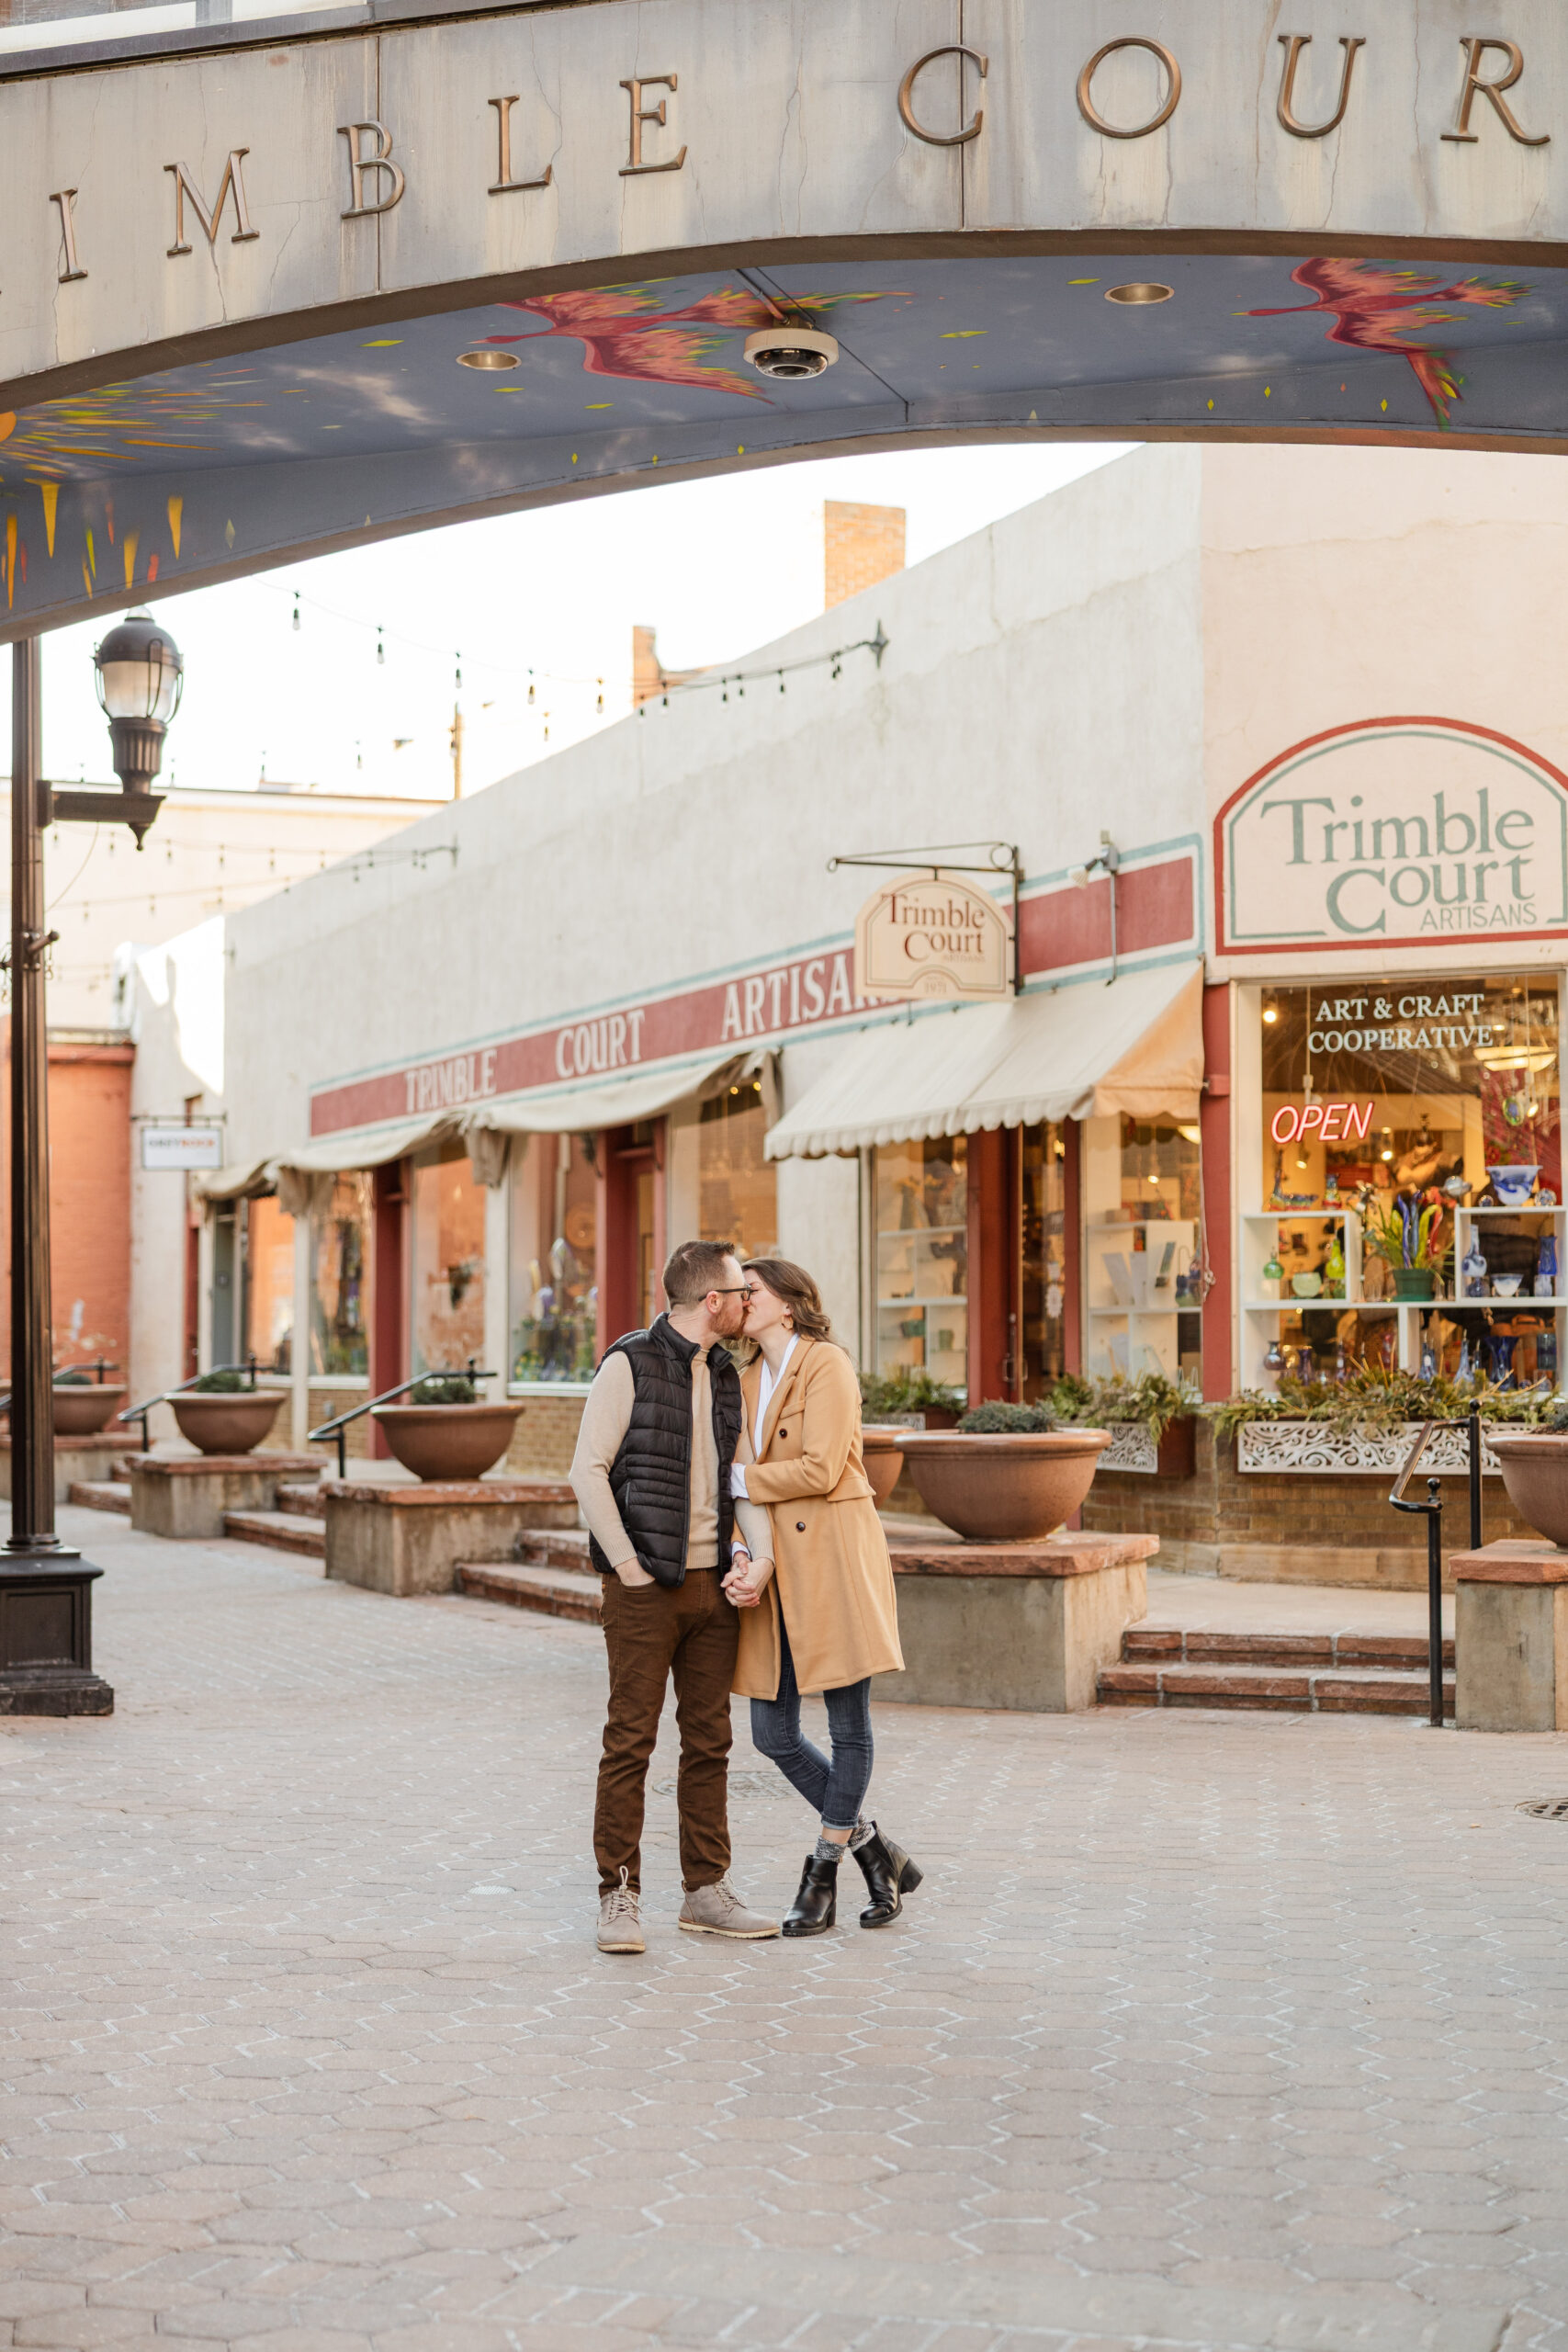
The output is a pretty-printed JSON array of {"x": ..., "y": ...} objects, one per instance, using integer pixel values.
[{"x": 694, "y": 1269}]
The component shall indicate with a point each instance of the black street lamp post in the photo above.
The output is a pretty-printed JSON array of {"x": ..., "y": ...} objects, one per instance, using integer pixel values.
[{"x": 46, "y": 1602}]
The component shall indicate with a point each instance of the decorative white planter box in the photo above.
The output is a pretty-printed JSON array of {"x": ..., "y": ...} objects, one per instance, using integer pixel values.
[
  {"x": 1311, "y": 1449},
  {"x": 1130, "y": 1449}
]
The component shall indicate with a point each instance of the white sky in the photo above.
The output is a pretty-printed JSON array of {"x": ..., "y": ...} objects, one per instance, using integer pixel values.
[{"x": 718, "y": 566}]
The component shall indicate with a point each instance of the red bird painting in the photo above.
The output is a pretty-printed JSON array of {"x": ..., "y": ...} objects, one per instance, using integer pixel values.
[
  {"x": 625, "y": 334},
  {"x": 1384, "y": 310}
]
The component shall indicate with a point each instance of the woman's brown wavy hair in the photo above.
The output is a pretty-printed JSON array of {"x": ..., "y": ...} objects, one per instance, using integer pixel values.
[{"x": 794, "y": 1286}]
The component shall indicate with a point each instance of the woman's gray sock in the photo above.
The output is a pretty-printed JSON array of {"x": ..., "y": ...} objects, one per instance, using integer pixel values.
[
  {"x": 860, "y": 1834},
  {"x": 829, "y": 1850}
]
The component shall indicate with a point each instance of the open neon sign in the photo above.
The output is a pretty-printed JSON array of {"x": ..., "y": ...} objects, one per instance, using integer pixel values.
[{"x": 1335, "y": 1122}]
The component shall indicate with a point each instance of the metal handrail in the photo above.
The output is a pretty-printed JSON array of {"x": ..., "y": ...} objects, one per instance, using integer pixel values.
[
  {"x": 335, "y": 1428},
  {"x": 1432, "y": 1510},
  {"x": 140, "y": 1412},
  {"x": 88, "y": 1363}
]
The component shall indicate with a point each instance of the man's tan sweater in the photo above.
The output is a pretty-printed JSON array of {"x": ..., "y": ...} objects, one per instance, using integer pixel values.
[{"x": 607, "y": 1417}]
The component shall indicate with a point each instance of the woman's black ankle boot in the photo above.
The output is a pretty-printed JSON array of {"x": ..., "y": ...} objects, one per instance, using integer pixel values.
[
  {"x": 890, "y": 1874},
  {"x": 814, "y": 1911}
]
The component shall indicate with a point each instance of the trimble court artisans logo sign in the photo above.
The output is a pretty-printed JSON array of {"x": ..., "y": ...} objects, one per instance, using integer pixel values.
[{"x": 1396, "y": 833}]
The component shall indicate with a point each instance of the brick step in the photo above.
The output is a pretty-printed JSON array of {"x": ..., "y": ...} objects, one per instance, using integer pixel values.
[
  {"x": 550, "y": 1592},
  {"x": 1147, "y": 1645},
  {"x": 555, "y": 1548},
  {"x": 1348, "y": 1690},
  {"x": 283, "y": 1531},
  {"x": 302, "y": 1501},
  {"x": 100, "y": 1494}
]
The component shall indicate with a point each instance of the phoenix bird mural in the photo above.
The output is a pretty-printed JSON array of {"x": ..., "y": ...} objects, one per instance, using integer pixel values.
[
  {"x": 625, "y": 334},
  {"x": 1376, "y": 309}
]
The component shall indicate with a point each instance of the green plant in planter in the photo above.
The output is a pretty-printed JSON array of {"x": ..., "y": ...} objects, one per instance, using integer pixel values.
[
  {"x": 907, "y": 1392},
  {"x": 73, "y": 1380},
  {"x": 444, "y": 1388},
  {"x": 220, "y": 1384},
  {"x": 1148, "y": 1400},
  {"x": 999, "y": 1419},
  {"x": 1371, "y": 1402}
]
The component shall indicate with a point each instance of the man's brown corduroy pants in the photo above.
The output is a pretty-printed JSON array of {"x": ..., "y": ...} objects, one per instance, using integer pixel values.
[{"x": 654, "y": 1632}]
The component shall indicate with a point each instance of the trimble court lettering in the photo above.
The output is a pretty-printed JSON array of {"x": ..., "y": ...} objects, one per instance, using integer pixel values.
[{"x": 1395, "y": 832}]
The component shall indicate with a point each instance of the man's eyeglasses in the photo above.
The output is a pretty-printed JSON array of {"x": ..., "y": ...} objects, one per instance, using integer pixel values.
[{"x": 736, "y": 1290}]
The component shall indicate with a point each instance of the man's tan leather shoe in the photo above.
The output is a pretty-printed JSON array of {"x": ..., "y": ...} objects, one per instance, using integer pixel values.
[
  {"x": 620, "y": 1919},
  {"x": 719, "y": 1911}
]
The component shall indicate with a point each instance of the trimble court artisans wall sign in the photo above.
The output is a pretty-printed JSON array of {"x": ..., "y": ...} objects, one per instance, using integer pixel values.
[
  {"x": 917, "y": 937},
  {"x": 1394, "y": 832}
]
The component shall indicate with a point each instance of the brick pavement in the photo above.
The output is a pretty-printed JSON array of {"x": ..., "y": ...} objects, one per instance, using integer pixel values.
[{"x": 1240, "y": 2031}]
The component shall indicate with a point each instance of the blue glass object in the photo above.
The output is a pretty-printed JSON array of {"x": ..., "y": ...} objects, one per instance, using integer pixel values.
[
  {"x": 1473, "y": 1268},
  {"x": 1546, "y": 1267}
]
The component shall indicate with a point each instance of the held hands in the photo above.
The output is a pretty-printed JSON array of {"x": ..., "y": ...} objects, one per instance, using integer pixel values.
[{"x": 747, "y": 1579}]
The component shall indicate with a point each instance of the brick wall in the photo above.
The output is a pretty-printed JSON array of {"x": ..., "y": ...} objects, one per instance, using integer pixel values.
[
  {"x": 1288, "y": 1529},
  {"x": 89, "y": 1196},
  {"x": 545, "y": 1437},
  {"x": 325, "y": 1405},
  {"x": 860, "y": 545}
]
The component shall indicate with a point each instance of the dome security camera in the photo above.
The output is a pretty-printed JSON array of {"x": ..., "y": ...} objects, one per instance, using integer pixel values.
[{"x": 790, "y": 353}]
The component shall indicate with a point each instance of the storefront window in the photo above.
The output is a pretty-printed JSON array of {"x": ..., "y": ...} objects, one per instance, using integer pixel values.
[
  {"x": 1142, "y": 1216},
  {"x": 448, "y": 1261},
  {"x": 1378, "y": 1102},
  {"x": 1041, "y": 1259},
  {"x": 553, "y": 1230},
  {"x": 269, "y": 1285},
  {"x": 340, "y": 1259},
  {"x": 921, "y": 1215},
  {"x": 738, "y": 1189}
]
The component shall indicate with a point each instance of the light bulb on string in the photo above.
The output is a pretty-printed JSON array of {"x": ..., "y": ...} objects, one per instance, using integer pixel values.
[
  {"x": 530, "y": 689},
  {"x": 457, "y": 672},
  {"x": 600, "y": 706},
  {"x": 296, "y": 612},
  {"x": 380, "y": 650}
]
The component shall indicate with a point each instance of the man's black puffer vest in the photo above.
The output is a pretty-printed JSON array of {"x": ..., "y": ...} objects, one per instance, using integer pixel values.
[{"x": 650, "y": 1476}]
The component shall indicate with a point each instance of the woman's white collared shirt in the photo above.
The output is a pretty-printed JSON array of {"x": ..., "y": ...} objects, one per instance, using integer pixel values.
[{"x": 765, "y": 1388}]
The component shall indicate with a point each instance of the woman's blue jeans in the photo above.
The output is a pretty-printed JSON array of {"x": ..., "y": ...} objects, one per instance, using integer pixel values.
[{"x": 835, "y": 1791}]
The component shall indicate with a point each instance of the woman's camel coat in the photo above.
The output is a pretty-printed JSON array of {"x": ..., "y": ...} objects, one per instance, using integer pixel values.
[{"x": 831, "y": 1568}]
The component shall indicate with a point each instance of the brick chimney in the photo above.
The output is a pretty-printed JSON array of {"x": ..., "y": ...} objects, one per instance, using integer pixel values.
[
  {"x": 860, "y": 545},
  {"x": 650, "y": 677}
]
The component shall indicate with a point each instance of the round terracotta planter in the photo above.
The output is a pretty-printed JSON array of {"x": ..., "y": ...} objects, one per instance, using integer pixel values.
[
  {"x": 84, "y": 1411},
  {"x": 1535, "y": 1472},
  {"x": 1005, "y": 1490},
  {"x": 447, "y": 1441},
  {"x": 882, "y": 1454},
  {"x": 234, "y": 1423}
]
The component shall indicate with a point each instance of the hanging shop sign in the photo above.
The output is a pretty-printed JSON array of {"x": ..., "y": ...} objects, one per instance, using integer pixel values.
[
  {"x": 920, "y": 937},
  {"x": 1393, "y": 832},
  {"x": 177, "y": 1146}
]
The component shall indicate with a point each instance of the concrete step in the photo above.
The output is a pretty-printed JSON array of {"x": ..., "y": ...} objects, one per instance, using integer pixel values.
[
  {"x": 100, "y": 1494},
  {"x": 120, "y": 1473},
  {"x": 550, "y": 1592},
  {"x": 1343, "y": 1691},
  {"x": 302, "y": 1501},
  {"x": 1148, "y": 1645},
  {"x": 283, "y": 1531},
  {"x": 556, "y": 1547}
]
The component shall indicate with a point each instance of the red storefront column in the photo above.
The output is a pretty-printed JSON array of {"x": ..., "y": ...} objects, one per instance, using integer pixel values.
[
  {"x": 1214, "y": 1127},
  {"x": 1072, "y": 1250},
  {"x": 631, "y": 1207},
  {"x": 389, "y": 1288},
  {"x": 990, "y": 1274}
]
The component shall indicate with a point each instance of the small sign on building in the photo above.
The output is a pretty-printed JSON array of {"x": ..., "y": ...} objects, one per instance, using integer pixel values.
[
  {"x": 917, "y": 937},
  {"x": 181, "y": 1146}
]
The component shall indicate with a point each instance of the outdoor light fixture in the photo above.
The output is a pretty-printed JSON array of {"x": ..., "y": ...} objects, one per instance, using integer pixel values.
[
  {"x": 1108, "y": 862},
  {"x": 1140, "y": 291},
  {"x": 1270, "y": 1010},
  {"x": 790, "y": 352},
  {"x": 489, "y": 359},
  {"x": 140, "y": 675}
]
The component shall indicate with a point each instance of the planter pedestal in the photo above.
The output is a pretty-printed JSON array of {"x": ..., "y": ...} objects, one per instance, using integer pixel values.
[
  {"x": 1511, "y": 1637},
  {"x": 408, "y": 1539},
  {"x": 186, "y": 1495},
  {"x": 1016, "y": 1625},
  {"x": 78, "y": 1460}
]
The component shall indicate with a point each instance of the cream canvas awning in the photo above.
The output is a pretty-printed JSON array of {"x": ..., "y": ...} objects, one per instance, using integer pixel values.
[
  {"x": 620, "y": 1103},
  {"x": 1072, "y": 1053}
]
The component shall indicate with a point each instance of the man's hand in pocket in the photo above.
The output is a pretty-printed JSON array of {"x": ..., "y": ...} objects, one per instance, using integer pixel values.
[{"x": 633, "y": 1573}]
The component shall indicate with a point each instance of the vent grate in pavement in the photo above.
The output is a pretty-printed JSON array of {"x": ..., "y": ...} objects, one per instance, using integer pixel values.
[{"x": 1545, "y": 1808}]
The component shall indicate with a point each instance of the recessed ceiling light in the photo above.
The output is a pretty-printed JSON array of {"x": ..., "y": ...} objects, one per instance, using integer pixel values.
[
  {"x": 1140, "y": 290},
  {"x": 488, "y": 359}
]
